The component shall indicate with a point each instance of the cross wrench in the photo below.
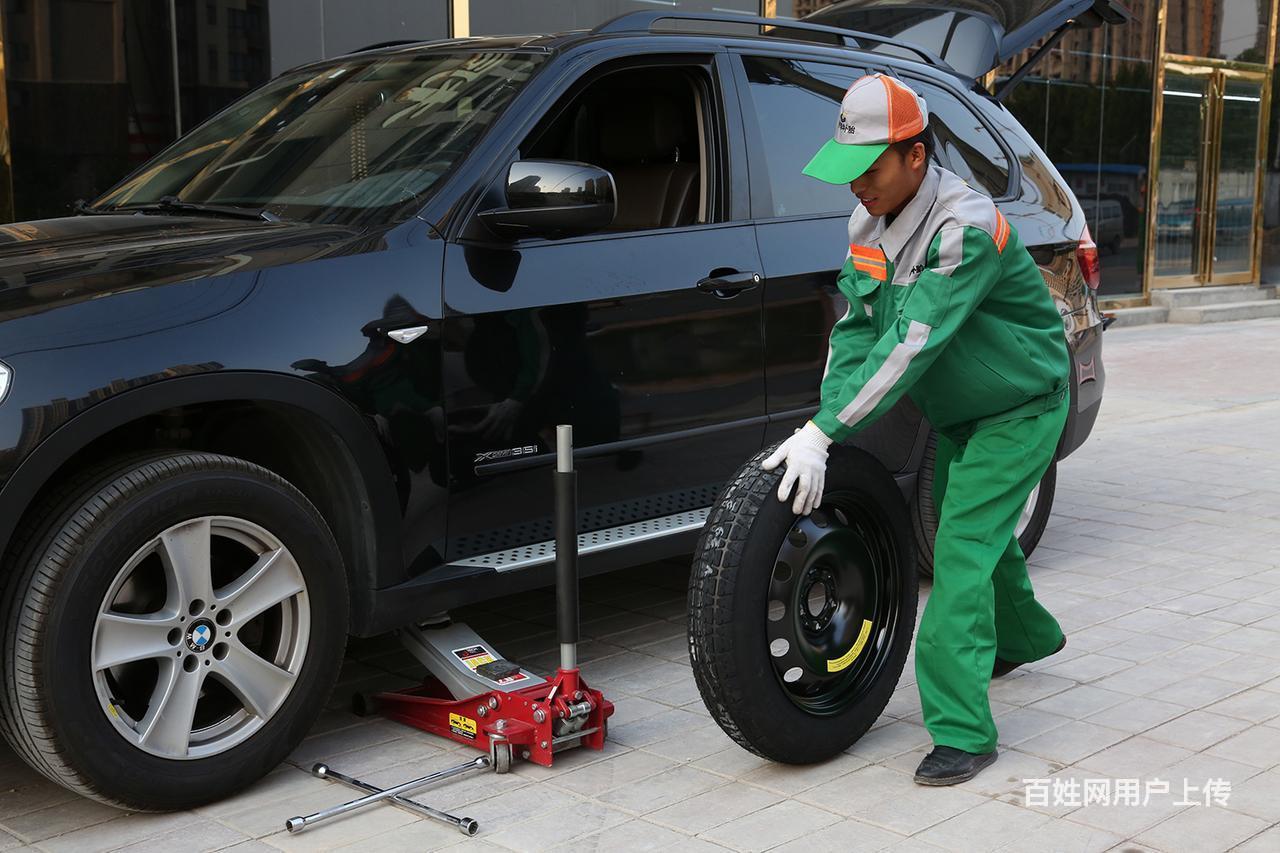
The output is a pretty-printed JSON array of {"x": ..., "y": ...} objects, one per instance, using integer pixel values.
[
  {"x": 297, "y": 824},
  {"x": 467, "y": 826}
]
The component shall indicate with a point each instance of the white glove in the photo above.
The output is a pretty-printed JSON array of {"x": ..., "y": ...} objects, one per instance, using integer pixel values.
[{"x": 805, "y": 453}]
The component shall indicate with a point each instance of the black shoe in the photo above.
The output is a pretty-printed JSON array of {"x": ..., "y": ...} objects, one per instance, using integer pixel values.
[
  {"x": 946, "y": 765},
  {"x": 1004, "y": 667}
]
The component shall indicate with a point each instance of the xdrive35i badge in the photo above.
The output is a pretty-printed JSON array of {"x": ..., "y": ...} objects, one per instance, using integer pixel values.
[{"x": 494, "y": 455}]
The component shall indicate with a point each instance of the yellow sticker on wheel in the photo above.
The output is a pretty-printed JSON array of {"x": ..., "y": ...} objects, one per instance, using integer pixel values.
[
  {"x": 464, "y": 726},
  {"x": 850, "y": 656}
]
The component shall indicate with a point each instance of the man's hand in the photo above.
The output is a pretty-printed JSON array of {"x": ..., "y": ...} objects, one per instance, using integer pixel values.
[{"x": 805, "y": 453}]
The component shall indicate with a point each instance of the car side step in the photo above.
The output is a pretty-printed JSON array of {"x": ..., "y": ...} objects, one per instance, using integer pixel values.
[{"x": 540, "y": 553}]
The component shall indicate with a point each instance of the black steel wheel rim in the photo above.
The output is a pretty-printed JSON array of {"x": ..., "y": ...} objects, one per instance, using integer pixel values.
[{"x": 833, "y": 604}]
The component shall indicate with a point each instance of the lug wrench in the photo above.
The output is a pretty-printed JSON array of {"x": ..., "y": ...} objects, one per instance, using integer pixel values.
[
  {"x": 467, "y": 826},
  {"x": 297, "y": 824}
]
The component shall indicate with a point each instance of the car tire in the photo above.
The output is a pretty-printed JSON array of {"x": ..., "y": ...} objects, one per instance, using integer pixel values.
[
  {"x": 100, "y": 698},
  {"x": 924, "y": 515},
  {"x": 846, "y": 609}
]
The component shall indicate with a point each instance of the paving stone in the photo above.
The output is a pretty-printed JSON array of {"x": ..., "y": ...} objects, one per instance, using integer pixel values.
[
  {"x": 197, "y": 837},
  {"x": 1080, "y": 701},
  {"x": 1020, "y": 724},
  {"x": 604, "y": 776},
  {"x": 657, "y": 727},
  {"x": 890, "y": 740},
  {"x": 1267, "y": 841},
  {"x": 791, "y": 779},
  {"x": 984, "y": 828},
  {"x": 1137, "y": 756},
  {"x": 1196, "y": 691},
  {"x": 1202, "y": 828},
  {"x": 1137, "y": 714},
  {"x": 665, "y": 788},
  {"x": 638, "y": 836},
  {"x": 1258, "y": 746},
  {"x": 715, "y": 807},
  {"x": 1087, "y": 667},
  {"x": 124, "y": 830},
  {"x": 1071, "y": 742},
  {"x": 771, "y": 826},
  {"x": 846, "y": 835},
  {"x": 56, "y": 820},
  {"x": 1197, "y": 730},
  {"x": 545, "y": 831}
]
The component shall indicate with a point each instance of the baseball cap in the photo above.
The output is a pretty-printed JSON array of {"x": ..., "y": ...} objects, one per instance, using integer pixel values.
[{"x": 876, "y": 111}]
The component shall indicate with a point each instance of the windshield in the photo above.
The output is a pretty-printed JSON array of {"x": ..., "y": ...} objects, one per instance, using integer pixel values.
[{"x": 349, "y": 143}]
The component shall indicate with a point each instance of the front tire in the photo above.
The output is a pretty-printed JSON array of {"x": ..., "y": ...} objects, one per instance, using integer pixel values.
[
  {"x": 173, "y": 625},
  {"x": 924, "y": 515},
  {"x": 799, "y": 626}
]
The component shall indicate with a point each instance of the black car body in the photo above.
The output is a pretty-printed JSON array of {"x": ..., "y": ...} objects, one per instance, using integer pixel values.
[{"x": 404, "y": 366}]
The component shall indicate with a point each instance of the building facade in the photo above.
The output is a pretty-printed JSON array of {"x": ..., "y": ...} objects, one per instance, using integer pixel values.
[{"x": 1164, "y": 127}]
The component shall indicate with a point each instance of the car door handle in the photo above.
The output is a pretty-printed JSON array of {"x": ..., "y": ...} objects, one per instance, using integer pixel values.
[{"x": 730, "y": 283}]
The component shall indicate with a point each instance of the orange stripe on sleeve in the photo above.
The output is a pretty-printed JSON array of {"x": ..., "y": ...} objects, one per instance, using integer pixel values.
[
  {"x": 1001, "y": 236},
  {"x": 870, "y": 253},
  {"x": 877, "y": 271}
]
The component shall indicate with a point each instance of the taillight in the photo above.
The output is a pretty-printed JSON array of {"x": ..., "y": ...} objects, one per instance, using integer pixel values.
[{"x": 1087, "y": 258}]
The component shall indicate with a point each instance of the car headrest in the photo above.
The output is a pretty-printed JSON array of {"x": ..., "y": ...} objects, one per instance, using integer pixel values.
[{"x": 639, "y": 128}]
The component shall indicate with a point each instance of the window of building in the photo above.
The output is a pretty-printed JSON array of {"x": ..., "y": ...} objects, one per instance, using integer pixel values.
[
  {"x": 964, "y": 144},
  {"x": 213, "y": 61},
  {"x": 211, "y": 14},
  {"x": 796, "y": 105}
]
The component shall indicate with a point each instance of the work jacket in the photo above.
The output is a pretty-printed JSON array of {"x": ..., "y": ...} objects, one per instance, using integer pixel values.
[{"x": 946, "y": 305}]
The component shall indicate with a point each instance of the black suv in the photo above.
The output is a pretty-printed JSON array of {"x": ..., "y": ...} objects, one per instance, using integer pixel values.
[{"x": 297, "y": 377}]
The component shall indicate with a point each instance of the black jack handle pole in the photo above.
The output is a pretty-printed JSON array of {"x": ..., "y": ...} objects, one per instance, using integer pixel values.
[{"x": 566, "y": 548}]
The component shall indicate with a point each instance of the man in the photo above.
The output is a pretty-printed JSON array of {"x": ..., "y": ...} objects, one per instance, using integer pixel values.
[{"x": 945, "y": 304}]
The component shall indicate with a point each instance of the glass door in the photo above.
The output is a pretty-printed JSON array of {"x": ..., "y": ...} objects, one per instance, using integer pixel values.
[
  {"x": 1236, "y": 180},
  {"x": 1180, "y": 170},
  {"x": 1207, "y": 176}
]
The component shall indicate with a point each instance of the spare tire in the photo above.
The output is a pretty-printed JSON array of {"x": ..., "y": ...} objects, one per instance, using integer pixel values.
[{"x": 799, "y": 626}]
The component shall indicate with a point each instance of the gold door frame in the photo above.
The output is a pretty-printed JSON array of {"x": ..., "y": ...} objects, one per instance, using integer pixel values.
[
  {"x": 1149, "y": 279},
  {"x": 1230, "y": 71},
  {"x": 1217, "y": 72}
]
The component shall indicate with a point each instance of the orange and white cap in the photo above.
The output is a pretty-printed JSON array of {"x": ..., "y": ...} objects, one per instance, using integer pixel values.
[{"x": 876, "y": 111}]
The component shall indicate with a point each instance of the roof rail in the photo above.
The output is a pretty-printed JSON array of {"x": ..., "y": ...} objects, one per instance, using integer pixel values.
[
  {"x": 642, "y": 22},
  {"x": 380, "y": 45}
]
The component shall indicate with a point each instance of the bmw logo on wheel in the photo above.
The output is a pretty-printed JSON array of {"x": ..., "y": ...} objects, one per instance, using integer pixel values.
[{"x": 200, "y": 636}]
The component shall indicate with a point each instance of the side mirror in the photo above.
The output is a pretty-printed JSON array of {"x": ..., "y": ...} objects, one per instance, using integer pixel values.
[{"x": 553, "y": 198}]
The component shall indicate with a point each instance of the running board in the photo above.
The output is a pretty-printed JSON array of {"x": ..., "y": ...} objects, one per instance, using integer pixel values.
[{"x": 541, "y": 553}]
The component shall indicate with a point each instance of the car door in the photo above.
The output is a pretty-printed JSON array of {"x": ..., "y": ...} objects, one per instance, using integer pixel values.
[
  {"x": 617, "y": 333},
  {"x": 789, "y": 110}
]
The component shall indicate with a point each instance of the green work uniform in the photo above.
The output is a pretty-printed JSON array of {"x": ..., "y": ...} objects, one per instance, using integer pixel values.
[{"x": 946, "y": 305}]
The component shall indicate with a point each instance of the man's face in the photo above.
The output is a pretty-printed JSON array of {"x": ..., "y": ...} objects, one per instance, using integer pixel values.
[{"x": 891, "y": 181}]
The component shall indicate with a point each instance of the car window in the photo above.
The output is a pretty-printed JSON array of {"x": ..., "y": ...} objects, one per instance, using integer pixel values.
[
  {"x": 348, "y": 142},
  {"x": 647, "y": 127},
  {"x": 796, "y": 104},
  {"x": 964, "y": 144}
]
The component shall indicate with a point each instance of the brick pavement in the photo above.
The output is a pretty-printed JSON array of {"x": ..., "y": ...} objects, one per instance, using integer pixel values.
[{"x": 1160, "y": 561}]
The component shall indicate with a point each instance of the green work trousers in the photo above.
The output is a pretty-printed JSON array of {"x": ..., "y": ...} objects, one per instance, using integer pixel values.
[{"x": 982, "y": 604}]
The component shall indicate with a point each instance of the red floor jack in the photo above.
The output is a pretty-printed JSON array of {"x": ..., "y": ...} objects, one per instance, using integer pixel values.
[{"x": 508, "y": 712}]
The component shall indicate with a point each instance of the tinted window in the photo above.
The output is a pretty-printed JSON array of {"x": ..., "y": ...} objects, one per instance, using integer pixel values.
[
  {"x": 343, "y": 142},
  {"x": 796, "y": 106},
  {"x": 965, "y": 146}
]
